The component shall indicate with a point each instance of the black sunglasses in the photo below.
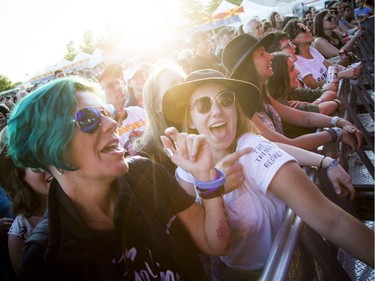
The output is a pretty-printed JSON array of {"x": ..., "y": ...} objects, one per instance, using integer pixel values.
[
  {"x": 331, "y": 19},
  {"x": 302, "y": 29},
  {"x": 204, "y": 104},
  {"x": 89, "y": 119}
]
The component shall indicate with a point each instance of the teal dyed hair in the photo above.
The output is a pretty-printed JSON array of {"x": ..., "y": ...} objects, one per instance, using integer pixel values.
[{"x": 40, "y": 127}]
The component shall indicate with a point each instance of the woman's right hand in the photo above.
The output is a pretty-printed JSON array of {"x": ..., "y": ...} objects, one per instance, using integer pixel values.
[
  {"x": 190, "y": 152},
  {"x": 352, "y": 73}
]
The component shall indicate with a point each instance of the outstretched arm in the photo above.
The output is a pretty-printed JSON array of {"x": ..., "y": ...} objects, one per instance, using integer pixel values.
[
  {"x": 329, "y": 220},
  {"x": 339, "y": 178}
]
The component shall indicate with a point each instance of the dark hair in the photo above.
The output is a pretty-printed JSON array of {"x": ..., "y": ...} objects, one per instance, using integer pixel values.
[
  {"x": 247, "y": 72},
  {"x": 278, "y": 85},
  {"x": 275, "y": 45},
  {"x": 4, "y": 109},
  {"x": 292, "y": 29},
  {"x": 272, "y": 18},
  {"x": 24, "y": 199},
  {"x": 318, "y": 28}
]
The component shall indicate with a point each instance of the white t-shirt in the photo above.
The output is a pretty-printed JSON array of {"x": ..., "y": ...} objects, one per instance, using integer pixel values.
[
  {"x": 314, "y": 66},
  {"x": 254, "y": 212},
  {"x": 132, "y": 127},
  {"x": 22, "y": 226}
]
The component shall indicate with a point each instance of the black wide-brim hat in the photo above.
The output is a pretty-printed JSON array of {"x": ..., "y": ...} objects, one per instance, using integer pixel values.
[
  {"x": 241, "y": 47},
  {"x": 176, "y": 99}
]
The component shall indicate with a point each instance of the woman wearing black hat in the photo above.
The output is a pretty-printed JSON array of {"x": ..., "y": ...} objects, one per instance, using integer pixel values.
[
  {"x": 246, "y": 59},
  {"x": 210, "y": 104}
]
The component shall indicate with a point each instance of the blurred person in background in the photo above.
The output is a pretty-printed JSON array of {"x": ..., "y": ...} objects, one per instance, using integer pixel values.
[
  {"x": 204, "y": 53},
  {"x": 132, "y": 119}
]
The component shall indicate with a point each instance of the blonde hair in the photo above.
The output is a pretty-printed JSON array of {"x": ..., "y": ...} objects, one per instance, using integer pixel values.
[{"x": 156, "y": 125}]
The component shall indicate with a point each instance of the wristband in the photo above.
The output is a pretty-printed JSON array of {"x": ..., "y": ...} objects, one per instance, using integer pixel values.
[
  {"x": 333, "y": 134},
  {"x": 321, "y": 162},
  {"x": 217, "y": 182},
  {"x": 334, "y": 121},
  {"x": 211, "y": 193},
  {"x": 319, "y": 100},
  {"x": 331, "y": 165},
  {"x": 339, "y": 132}
]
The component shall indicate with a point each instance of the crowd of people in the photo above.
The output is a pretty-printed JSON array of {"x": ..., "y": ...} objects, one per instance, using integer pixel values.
[{"x": 182, "y": 168}]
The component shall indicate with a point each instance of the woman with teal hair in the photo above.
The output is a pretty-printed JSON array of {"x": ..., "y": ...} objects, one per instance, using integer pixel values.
[{"x": 110, "y": 218}]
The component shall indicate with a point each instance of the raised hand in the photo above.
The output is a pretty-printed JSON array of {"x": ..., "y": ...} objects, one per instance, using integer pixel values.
[{"x": 190, "y": 152}]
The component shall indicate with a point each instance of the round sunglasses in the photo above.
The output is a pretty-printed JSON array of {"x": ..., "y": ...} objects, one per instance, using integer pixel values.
[
  {"x": 204, "y": 104},
  {"x": 89, "y": 119}
]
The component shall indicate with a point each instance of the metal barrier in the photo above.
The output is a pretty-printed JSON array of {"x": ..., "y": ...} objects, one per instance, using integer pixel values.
[{"x": 285, "y": 242}]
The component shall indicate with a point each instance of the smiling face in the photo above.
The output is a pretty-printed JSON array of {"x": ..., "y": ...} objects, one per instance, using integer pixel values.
[
  {"x": 219, "y": 124},
  {"x": 97, "y": 155},
  {"x": 263, "y": 63},
  {"x": 293, "y": 74}
]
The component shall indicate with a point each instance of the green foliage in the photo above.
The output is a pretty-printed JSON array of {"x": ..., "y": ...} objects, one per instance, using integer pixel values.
[
  {"x": 5, "y": 83},
  {"x": 88, "y": 42},
  {"x": 71, "y": 51}
]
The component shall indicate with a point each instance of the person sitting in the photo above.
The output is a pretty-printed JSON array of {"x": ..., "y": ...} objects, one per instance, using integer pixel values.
[
  {"x": 220, "y": 108},
  {"x": 327, "y": 41},
  {"x": 27, "y": 191},
  {"x": 362, "y": 12},
  {"x": 110, "y": 217}
]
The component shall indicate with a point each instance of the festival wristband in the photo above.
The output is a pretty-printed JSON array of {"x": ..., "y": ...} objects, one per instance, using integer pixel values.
[
  {"x": 331, "y": 165},
  {"x": 217, "y": 182},
  {"x": 334, "y": 121}
]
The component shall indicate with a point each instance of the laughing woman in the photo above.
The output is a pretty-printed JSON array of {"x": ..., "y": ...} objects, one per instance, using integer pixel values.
[
  {"x": 109, "y": 218},
  {"x": 246, "y": 59},
  {"x": 210, "y": 104}
]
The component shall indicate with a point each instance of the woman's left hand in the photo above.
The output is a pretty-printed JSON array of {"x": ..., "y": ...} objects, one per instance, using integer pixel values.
[{"x": 341, "y": 181}]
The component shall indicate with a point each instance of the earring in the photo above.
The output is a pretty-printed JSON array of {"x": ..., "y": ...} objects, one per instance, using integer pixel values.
[{"x": 60, "y": 171}]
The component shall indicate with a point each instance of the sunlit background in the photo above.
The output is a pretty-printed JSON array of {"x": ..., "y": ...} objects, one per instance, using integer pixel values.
[{"x": 35, "y": 33}]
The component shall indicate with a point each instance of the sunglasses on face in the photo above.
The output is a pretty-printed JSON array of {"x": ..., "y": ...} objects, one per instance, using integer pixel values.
[
  {"x": 204, "y": 104},
  {"x": 331, "y": 19},
  {"x": 89, "y": 119},
  {"x": 302, "y": 29},
  {"x": 290, "y": 45}
]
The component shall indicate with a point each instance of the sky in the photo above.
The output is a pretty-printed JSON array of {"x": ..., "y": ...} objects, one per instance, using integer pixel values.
[{"x": 35, "y": 32}]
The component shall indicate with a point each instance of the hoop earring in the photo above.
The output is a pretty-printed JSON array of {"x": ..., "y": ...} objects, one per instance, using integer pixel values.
[{"x": 60, "y": 171}]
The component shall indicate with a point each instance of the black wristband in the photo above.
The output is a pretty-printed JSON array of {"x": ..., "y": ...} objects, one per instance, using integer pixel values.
[{"x": 211, "y": 194}]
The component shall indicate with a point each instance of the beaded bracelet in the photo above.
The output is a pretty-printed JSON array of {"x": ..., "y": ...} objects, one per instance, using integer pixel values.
[{"x": 331, "y": 165}]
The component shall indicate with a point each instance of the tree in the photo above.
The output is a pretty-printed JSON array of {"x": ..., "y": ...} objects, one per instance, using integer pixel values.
[
  {"x": 5, "y": 83},
  {"x": 71, "y": 51},
  {"x": 88, "y": 42}
]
